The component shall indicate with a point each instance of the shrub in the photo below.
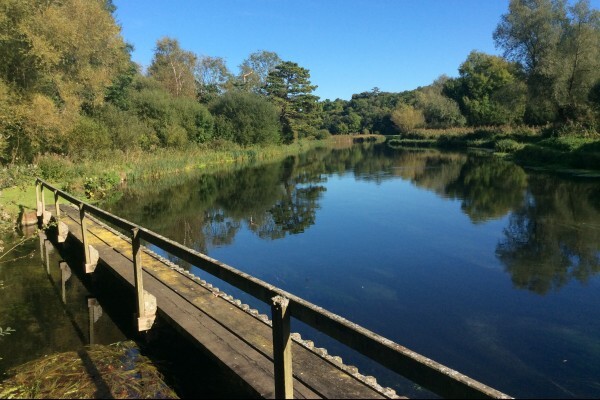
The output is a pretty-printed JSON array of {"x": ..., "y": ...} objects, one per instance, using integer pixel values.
[
  {"x": 565, "y": 143},
  {"x": 406, "y": 118},
  {"x": 507, "y": 146},
  {"x": 88, "y": 138},
  {"x": 98, "y": 187},
  {"x": 246, "y": 118},
  {"x": 54, "y": 167}
]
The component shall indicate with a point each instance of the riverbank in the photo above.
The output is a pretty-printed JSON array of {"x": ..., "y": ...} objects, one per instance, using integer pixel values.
[
  {"x": 100, "y": 178},
  {"x": 559, "y": 151}
]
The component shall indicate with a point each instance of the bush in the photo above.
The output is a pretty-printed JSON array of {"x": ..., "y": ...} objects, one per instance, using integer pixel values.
[
  {"x": 322, "y": 134},
  {"x": 572, "y": 129},
  {"x": 246, "y": 118},
  {"x": 88, "y": 138},
  {"x": 98, "y": 187},
  {"x": 54, "y": 167},
  {"x": 565, "y": 143},
  {"x": 507, "y": 146},
  {"x": 406, "y": 118}
]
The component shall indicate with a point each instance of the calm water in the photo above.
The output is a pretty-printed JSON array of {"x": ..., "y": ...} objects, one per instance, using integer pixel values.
[
  {"x": 466, "y": 259},
  {"x": 48, "y": 309}
]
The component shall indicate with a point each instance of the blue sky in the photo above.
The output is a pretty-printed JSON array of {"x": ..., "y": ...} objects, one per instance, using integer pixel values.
[{"x": 349, "y": 46}]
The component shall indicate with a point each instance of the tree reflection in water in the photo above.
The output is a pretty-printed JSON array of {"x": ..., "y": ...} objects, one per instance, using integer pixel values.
[{"x": 554, "y": 237}]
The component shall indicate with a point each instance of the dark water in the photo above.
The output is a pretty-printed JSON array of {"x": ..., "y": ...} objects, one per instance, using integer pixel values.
[
  {"x": 467, "y": 259},
  {"x": 47, "y": 308}
]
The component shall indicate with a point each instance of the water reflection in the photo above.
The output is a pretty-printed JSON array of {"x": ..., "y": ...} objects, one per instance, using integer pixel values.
[
  {"x": 422, "y": 246},
  {"x": 47, "y": 305},
  {"x": 554, "y": 236},
  {"x": 551, "y": 237}
]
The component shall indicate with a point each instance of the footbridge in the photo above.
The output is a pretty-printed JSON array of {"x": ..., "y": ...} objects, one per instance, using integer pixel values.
[{"x": 258, "y": 349}]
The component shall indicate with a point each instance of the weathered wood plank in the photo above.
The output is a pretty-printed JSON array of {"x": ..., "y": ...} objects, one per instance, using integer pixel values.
[{"x": 237, "y": 339}]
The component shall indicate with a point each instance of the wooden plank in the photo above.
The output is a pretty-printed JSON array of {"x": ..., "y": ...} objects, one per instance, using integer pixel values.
[{"x": 240, "y": 341}]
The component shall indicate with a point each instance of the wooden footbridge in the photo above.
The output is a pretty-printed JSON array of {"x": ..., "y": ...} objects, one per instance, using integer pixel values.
[{"x": 270, "y": 360}]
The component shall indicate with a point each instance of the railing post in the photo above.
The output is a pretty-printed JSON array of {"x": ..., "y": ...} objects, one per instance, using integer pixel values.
[
  {"x": 282, "y": 348},
  {"x": 56, "y": 207},
  {"x": 38, "y": 200},
  {"x": 43, "y": 199},
  {"x": 62, "y": 229},
  {"x": 145, "y": 317},
  {"x": 84, "y": 237}
]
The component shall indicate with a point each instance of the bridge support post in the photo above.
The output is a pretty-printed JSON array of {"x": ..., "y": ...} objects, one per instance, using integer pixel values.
[
  {"x": 282, "y": 348},
  {"x": 65, "y": 274},
  {"x": 146, "y": 303}
]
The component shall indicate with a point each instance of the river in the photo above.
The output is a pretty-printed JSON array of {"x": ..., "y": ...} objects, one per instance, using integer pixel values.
[
  {"x": 465, "y": 258},
  {"x": 470, "y": 260}
]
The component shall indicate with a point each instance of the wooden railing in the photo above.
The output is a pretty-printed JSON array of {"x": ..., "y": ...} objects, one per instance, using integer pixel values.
[{"x": 427, "y": 373}]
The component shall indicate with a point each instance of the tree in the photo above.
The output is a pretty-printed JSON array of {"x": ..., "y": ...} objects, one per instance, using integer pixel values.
[
  {"x": 56, "y": 58},
  {"x": 170, "y": 122},
  {"x": 255, "y": 69},
  {"x": 530, "y": 32},
  {"x": 558, "y": 46},
  {"x": 246, "y": 118},
  {"x": 173, "y": 67},
  {"x": 439, "y": 111},
  {"x": 289, "y": 88},
  {"x": 406, "y": 118},
  {"x": 488, "y": 90},
  {"x": 374, "y": 109},
  {"x": 578, "y": 68},
  {"x": 212, "y": 77}
]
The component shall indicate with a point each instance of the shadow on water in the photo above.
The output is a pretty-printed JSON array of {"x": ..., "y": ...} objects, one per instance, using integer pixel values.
[
  {"x": 52, "y": 307},
  {"x": 190, "y": 372}
]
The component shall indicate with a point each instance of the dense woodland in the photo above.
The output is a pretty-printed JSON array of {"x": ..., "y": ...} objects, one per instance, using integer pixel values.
[{"x": 68, "y": 86}]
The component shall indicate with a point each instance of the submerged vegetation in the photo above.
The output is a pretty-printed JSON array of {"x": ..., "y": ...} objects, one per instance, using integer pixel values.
[{"x": 116, "y": 371}]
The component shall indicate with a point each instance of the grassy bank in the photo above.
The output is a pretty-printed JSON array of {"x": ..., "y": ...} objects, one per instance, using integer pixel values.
[
  {"x": 541, "y": 148},
  {"x": 99, "y": 178}
]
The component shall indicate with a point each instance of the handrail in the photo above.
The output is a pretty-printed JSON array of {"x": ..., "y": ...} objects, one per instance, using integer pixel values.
[{"x": 427, "y": 373}]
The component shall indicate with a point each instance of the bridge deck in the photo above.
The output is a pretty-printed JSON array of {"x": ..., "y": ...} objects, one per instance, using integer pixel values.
[{"x": 239, "y": 340}]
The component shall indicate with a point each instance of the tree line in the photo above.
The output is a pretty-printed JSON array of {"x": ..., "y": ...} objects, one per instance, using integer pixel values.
[{"x": 68, "y": 86}]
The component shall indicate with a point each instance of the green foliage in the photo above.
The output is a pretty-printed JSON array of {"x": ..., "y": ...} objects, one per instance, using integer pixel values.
[
  {"x": 246, "y": 118},
  {"x": 174, "y": 67},
  {"x": 322, "y": 134},
  {"x": 374, "y": 109},
  {"x": 170, "y": 122},
  {"x": 288, "y": 87},
  {"x": 508, "y": 146},
  {"x": 194, "y": 118},
  {"x": 406, "y": 118},
  {"x": 566, "y": 143},
  {"x": 558, "y": 44},
  {"x": 488, "y": 90},
  {"x": 98, "y": 187},
  {"x": 212, "y": 77},
  {"x": 57, "y": 59},
  {"x": 575, "y": 129},
  {"x": 54, "y": 168},
  {"x": 255, "y": 70},
  {"x": 88, "y": 139},
  {"x": 439, "y": 111},
  {"x": 127, "y": 131}
]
